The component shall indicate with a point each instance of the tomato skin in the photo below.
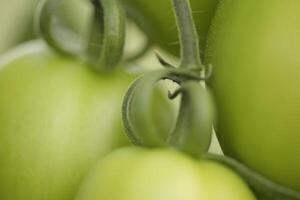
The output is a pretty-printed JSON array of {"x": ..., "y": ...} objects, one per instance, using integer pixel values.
[
  {"x": 254, "y": 48},
  {"x": 134, "y": 173},
  {"x": 156, "y": 18},
  {"x": 57, "y": 117}
]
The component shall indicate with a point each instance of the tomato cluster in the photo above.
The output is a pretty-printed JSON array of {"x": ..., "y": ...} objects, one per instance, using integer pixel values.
[{"x": 61, "y": 131}]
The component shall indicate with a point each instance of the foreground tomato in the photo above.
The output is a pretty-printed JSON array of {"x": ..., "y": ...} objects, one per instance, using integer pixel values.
[
  {"x": 135, "y": 173},
  {"x": 57, "y": 117},
  {"x": 254, "y": 50},
  {"x": 156, "y": 18}
]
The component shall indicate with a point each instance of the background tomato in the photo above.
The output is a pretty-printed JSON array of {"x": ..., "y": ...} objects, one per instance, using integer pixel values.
[
  {"x": 16, "y": 22},
  {"x": 254, "y": 47},
  {"x": 156, "y": 18},
  {"x": 57, "y": 117},
  {"x": 135, "y": 173}
]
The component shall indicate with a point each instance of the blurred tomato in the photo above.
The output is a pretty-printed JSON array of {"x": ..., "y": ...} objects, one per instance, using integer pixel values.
[
  {"x": 254, "y": 47},
  {"x": 57, "y": 117},
  {"x": 135, "y": 173}
]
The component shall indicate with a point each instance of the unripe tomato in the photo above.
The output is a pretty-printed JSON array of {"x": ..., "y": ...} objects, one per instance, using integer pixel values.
[
  {"x": 57, "y": 117},
  {"x": 254, "y": 47},
  {"x": 157, "y": 19},
  {"x": 134, "y": 173}
]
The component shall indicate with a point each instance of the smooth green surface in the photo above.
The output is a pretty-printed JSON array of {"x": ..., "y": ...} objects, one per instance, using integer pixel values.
[
  {"x": 57, "y": 117},
  {"x": 134, "y": 173},
  {"x": 254, "y": 49},
  {"x": 157, "y": 19}
]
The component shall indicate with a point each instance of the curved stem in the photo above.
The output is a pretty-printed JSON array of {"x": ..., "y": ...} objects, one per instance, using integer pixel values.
[
  {"x": 264, "y": 188},
  {"x": 188, "y": 36},
  {"x": 104, "y": 49},
  {"x": 106, "y": 44},
  {"x": 192, "y": 131},
  {"x": 43, "y": 22}
]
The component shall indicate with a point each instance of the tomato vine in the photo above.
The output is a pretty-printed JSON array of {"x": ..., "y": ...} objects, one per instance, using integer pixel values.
[
  {"x": 192, "y": 132},
  {"x": 104, "y": 48}
]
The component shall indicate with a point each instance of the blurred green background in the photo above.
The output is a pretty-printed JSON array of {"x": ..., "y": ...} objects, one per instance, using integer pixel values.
[
  {"x": 17, "y": 18},
  {"x": 16, "y": 22}
]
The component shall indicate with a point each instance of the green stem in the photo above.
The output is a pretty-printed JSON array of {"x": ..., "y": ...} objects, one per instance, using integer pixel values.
[
  {"x": 104, "y": 48},
  {"x": 106, "y": 44},
  {"x": 264, "y": 188},
  {"x": 188, "y": 36},
  {"x": 192, "y": 131},
  {"x": 44, "y": 27}
]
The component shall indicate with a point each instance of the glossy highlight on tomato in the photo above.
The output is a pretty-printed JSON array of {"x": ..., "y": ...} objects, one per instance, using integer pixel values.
[
  {"x": 157, "y": 19},
  {"x": 57, "y": 117},
  {"x": 254, "y": 49},
  {"x": 134, "y": 173}
]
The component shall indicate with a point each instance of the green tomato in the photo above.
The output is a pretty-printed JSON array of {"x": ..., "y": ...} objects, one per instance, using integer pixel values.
[
  {"x": 135, "y": 173},
  {"x": 157, "y": 19},
  {"x": 57, "y": 117},
  {"x": 254, "y": 47}
]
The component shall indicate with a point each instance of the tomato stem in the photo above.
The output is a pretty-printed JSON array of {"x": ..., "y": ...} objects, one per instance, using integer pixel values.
[
  {"x": 190, "y": 53},
  {"x": 104, "y": 47},
  {"x": 262, "y": 186},
  {"x": 43, "y": 21},
  {"x": 192, "y": 131},
  {"x": 107, "y": 38}
]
